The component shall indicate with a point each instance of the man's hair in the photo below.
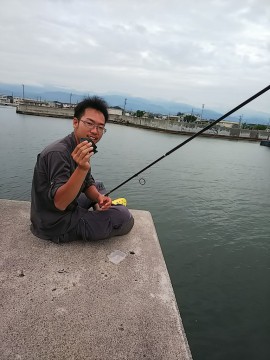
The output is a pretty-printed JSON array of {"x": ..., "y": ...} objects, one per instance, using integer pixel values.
[{"x": 93, "y": 102}]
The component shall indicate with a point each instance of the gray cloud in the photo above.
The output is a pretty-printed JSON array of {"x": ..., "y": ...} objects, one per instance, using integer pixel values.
[{"x": 205, "y": 51}]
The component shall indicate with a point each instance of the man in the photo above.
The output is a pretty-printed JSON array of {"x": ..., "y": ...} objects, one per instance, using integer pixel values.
[{"x": 63, "y": 188}]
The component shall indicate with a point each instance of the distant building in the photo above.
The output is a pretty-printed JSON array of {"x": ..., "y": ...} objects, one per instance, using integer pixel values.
[
  {"x": 6, "y": 99},
  {"x": 223, "y": 123},
  {"x": 56, "y": 104},
  {"x": 116, "y": 110},
  {"x": 173, "y": 117},
  {"x": 229, "y": 124}
]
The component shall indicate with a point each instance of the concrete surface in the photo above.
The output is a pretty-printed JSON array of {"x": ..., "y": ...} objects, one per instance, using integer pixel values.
[{"x": 71, "y": 302}]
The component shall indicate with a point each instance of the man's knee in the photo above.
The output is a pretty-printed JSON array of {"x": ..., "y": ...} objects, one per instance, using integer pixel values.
[
  {"x": 126, "y": 227},
  {"x": 122, "y": 221},
  {"x": 99, "y": 225}
]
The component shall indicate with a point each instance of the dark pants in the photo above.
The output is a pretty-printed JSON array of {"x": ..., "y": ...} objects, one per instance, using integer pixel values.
[{"x": 100, "y": 224}]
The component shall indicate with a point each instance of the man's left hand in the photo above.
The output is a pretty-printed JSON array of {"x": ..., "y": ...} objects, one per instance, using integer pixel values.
[{"x": 104, "y": 202}]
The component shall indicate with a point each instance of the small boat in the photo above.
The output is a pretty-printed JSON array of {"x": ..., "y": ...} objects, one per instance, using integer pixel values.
[{"x": 265, "y": 143}]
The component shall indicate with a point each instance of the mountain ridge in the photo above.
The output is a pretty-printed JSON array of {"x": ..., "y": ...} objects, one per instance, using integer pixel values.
[{"x": 130, "y": 103}]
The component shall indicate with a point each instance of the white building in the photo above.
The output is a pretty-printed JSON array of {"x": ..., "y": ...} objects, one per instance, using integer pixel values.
[{"x": 115, "y": 111}]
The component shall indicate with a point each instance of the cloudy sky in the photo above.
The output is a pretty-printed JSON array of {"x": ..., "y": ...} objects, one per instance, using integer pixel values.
[{"x": 212, "y": 52}]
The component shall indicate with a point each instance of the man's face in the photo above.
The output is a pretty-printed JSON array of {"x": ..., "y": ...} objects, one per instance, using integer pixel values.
[{"x": 91, "y": 125}]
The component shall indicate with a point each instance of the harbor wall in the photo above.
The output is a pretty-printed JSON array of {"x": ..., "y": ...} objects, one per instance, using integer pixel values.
[
  {"x": 185, "y": 128},
  {"x": 166, "y": 125},
  {"x": 66, "y": 113}
]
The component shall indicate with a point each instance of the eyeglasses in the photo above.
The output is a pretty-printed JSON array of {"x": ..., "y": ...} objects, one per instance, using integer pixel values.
[{"x": 92, "y": 125}]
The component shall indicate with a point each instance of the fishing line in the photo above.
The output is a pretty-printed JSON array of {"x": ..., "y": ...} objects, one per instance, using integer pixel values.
[{"x": 142, "y": 181}]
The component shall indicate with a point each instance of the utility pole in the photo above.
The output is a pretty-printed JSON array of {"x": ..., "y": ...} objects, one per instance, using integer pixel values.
[
  {"x": 23, "y": 91},
  {"x": 202, "y": 111},
  {"x": 240, "y": 121},
  {"x": 125, "y": 106}
]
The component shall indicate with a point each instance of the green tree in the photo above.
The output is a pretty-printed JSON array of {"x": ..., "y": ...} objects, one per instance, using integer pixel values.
[
  {"x": 140, "y": 113},
  {"x": 260, "y": 127},
  {"x": 190, "y": 118},
  {"x": 245, "y": 126}
]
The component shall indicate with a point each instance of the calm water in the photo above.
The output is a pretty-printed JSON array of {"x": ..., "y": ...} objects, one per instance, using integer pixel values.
[{"x": 210, "y": 202}]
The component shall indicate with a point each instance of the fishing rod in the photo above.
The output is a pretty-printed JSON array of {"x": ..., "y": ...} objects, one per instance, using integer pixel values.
[{"x": 193, "y": 137}]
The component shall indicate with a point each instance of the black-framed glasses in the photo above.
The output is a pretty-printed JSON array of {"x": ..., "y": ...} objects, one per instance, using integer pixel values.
[{"x": 91, "y": 125}]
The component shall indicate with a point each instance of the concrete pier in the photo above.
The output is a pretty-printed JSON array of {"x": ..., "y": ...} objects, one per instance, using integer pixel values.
[{"x": 110, "y": 300}]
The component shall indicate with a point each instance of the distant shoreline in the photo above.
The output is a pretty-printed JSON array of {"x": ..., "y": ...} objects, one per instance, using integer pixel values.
[
  {"x": 167, "y": 126},
  {"x": 185, "y": 133}
]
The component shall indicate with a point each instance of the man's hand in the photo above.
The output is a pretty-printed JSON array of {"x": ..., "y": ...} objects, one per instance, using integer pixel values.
[
  {"x": 81, "y": 155},
  {"x": 104, "y": 202}
]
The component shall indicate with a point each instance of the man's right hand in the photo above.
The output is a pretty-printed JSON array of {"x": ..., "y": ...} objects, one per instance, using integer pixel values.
[
  {"x": 66, "y": 193},
  {"x": 81, "y": 155}
]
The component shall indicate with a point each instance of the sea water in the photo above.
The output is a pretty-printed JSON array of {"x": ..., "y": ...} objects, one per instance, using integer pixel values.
[{"x": 210, "y": 203}]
